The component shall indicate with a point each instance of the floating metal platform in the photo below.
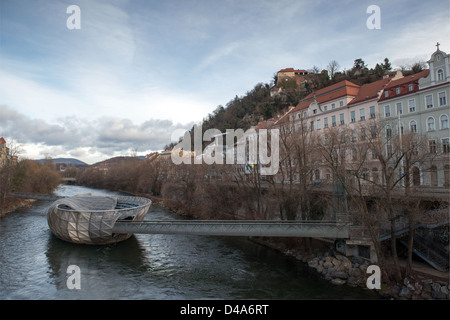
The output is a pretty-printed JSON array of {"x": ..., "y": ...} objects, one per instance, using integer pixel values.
[{"x": 88, "y": 219}]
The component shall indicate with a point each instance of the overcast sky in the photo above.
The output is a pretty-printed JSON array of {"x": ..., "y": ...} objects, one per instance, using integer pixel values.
[{"x": 139, "y": 69}]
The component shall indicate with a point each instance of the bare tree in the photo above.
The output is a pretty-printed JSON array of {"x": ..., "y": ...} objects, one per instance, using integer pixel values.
[{"x": 333, "y": 67}]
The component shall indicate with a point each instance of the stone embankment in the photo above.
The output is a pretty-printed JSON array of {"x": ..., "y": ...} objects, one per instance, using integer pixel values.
[{"x": 352, "y": 271}]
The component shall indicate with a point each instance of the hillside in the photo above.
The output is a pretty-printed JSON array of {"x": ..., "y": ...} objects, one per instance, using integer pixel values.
[{"x": 66, "y": 161}]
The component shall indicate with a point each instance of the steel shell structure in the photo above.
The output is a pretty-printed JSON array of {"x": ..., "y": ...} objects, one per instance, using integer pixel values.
[{"x": 87, "y": 219}]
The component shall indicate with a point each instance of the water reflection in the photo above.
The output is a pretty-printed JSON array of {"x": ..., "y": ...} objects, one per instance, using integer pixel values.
[{"x": 123, "y": 255}]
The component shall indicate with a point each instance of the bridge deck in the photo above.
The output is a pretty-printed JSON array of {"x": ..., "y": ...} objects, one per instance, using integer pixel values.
[{"x": 235, "y": 228}]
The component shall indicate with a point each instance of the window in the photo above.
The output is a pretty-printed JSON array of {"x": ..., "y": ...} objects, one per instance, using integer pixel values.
[
  {"x": 374, "y": 153},
  {"x": 399, "y": 108},
  {"x": 397, "y": 90},
  {"x": 412, "y": 105},
  {"x": 354, "y": 154},
  {"x": 315, "y": 111},
  {"x": 389, "y": 150},
  {"x": 365, "y": 174},
  {"x": 445, "y": 145},
  {"x": 416, "y": 176},
  {"x": 442, "y": 99},
  {"x": 429, "y": 101},
  {"x": 432, "y": 146},
  {"x": 373, "y": 131},
  {"x": 372, "y": 112},
  {"x": 341, "y": 103},
  {"x": 447, "y": 175},
  {"x": 411, "y": 87},
  {"x": 353, "y": 135},
  {"x": 401, "y": 128},
  {"x": 433, "y": 176},
  {"x": 333, "y": 121},
  {"x": 375, "y": 176},
  {"x": 312, "y": 125},
  {"x": 325, "y": 108},
  {"x": 430, "y": 124},
  {"x": 386, "y": 94},
  {"x": 352, "y": 116},
  {"x": 440, "y": 74},
  {"x": 444, "y": 121},
  {"x": 387, "y": 111},
  {"x": 341, "y": 118},
  {"x": 319, "y": 126},
  {"x": 388, "y": 132},
  {"x": 363, "y": 134},
  {"x": 325, "y": 122},
  {"x": 413, "y": 126},
  {"x": 333, "y": 106},
  {"x": 362, "y": 114}
]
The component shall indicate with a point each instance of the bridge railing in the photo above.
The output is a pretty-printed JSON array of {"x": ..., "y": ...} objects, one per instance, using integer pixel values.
[{"x": 270, "y": 228}]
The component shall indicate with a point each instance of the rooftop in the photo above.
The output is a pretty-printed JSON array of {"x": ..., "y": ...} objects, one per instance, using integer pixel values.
[
  {"x": 370, "y": 91},
  {"x": 341, "y": 89}
]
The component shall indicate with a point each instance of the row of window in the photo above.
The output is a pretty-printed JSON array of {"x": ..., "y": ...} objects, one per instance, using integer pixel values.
[
  {"x": 432, "y": 145},
  {"x": 315, "y": 111},
  {"x": 415, "y": 178},
  {"x": 431, "y": 125},
  {"x": 440, "y": 77},
  {"x": 333, "y": 106},
  {"x": 442, "y": 101}
]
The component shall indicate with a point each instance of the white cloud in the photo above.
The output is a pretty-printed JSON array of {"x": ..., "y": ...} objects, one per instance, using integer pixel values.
[{"x": 87, "y": 139}]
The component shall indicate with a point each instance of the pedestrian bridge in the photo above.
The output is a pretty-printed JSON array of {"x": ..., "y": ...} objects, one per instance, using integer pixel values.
[{"x": 256, "y": 228}]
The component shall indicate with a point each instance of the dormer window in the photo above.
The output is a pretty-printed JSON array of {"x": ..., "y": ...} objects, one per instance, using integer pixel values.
[
  {"x": 315, "y": 111},
  {"x": 440, "y": 75},
  {"x": 410, "y": 87},
  {"x": 386, "y": 94},
  {"x": 397, "y": 90}
]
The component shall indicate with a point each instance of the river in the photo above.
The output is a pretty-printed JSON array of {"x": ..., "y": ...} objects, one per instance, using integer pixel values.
[{"x": 34, "y": 265}]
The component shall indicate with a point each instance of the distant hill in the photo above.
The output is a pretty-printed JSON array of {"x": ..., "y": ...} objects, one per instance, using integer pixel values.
[
  {"x": 114, "y": 160},
  {"x": 67, "y": 161}
]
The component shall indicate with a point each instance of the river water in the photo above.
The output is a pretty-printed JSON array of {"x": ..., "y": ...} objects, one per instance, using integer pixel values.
[{"x": 33, "y": 265}]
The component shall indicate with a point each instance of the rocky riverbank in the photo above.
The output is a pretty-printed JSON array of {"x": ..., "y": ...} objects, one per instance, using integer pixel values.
[{"x": 352, "y": 271}]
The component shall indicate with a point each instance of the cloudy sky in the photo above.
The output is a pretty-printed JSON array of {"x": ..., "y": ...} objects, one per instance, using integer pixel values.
[{"x": 137, "y": 70}]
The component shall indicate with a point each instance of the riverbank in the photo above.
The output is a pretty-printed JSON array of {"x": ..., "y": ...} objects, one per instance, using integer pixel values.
[{"x": 12, "y": 203}]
